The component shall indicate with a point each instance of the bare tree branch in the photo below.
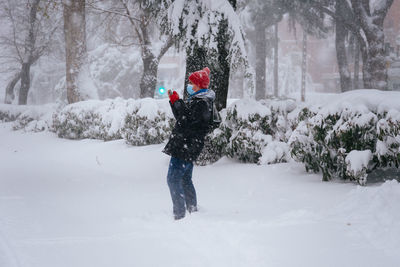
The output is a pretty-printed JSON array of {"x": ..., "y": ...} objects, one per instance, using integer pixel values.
[
  {"x": 14, "y": 32},
  {"x": 127, "y": 15},
  {"x": 141, "y": 38},
  {"x": 165, "y": 47}
]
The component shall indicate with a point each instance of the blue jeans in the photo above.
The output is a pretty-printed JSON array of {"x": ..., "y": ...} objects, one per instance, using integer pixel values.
[{"x": 181, "y": 187}]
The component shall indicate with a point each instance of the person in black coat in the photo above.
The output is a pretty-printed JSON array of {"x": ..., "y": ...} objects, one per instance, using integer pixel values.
[{"x": 187, "y": 140}]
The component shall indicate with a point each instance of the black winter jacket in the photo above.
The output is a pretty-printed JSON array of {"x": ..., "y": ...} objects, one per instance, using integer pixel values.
[{"x": 192, "y": 125}]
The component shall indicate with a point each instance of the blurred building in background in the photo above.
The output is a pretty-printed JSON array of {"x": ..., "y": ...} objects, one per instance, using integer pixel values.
[{"x": 321, "y": 61}]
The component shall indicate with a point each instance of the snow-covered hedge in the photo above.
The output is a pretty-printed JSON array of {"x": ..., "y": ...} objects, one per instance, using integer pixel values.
[
  {"x": 139, "y": 122},
  {"x": 28, "y": 117},
  {"x": 11, "y": 112},
  {"x": 91, "y": 119},
  {"x": 258, "y": 128},
  {"x": 36, "y": 118},
  {"x": 352, "y": 135},
  {"x": 275, "y": 152},
  {"x": 348, "y": 136},
  {"x": 248, "y": 127}
]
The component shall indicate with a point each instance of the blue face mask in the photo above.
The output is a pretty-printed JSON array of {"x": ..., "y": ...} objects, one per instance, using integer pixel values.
[{"x": 189, "y": 89}]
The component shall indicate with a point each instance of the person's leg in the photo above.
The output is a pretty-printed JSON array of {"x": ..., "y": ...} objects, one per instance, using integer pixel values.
[
  {"x": 188, "y": 188},
  {"x": 174, "y": 179}
]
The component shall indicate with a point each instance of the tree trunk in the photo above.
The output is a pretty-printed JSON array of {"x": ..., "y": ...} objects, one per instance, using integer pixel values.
[
  {"x": 11, "y": 85},
  {"x": 373, "y": 53},
  {"x": 29, "y": 54},
  {"x": 75, "y": 45},
  {"x": 376, "y": 67},
  {"x": 220, "y": 71},
  {"x": 304, "y": 68},
  {"x": 356, "y": 81},
  {"x": 220, "y": 75},
  {"x": 341, "y": 55},
  {"x": 276, "y": 62},
  {"x": 148, "y": 82},
  {"x": 25, "y": 83},
  {"x": 365, "y": 70},
  {"x": 10, "y": 88},
  {"x": 261, "y": 52}
]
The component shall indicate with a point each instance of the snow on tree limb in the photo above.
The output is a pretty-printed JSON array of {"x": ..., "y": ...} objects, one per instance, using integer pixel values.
[{"x": 198, "y": 21}]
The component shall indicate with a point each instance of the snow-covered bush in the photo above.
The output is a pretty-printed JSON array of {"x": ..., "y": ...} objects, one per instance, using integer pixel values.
[
  {"x": 247, "y": 127},
  {"x": 255, "y": 124},
  {"x": 250, "y": 125},
  {"x": 357, "y": 165},
  {"x": 281, "y": 125},
  {"x": 323, "y": 141},
  {"x": 348, "y": 137},
  {"x": 140, "y": 122},
  {"x": 28, "y": 117},
  {"x": 246, "y": 145},
  {"x": 91, "y": 119},
  {"x": 11, "y": 112},
  {"x": 275, "y": 152},
  {"x": 300, "y": 114},
  {"x": 388, "y": 143},
  {"x": 214, "y": 146},
  {"x": 148, "y": 122},
  {"x": 36, "y": 118},
  {"x": 355, "y": 121}
]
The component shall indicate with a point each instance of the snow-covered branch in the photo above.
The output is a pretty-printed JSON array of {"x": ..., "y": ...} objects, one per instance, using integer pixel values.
[{"x": 111, "y": 11}]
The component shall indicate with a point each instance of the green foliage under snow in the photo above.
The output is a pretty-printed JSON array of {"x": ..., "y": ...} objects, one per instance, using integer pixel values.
[
  {"x": 139, "y": 122},
  {"x": 341, "y": 140},
  {"x": 347, "y": 142},
  {"x": 247, "y": 128}
]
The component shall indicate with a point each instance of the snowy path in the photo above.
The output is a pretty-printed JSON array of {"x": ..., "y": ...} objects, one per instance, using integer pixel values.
[{"x": 89, "y": 203}]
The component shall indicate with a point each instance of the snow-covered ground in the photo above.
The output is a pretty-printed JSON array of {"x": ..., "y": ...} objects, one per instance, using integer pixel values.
[{"x": 93, "y": 203}]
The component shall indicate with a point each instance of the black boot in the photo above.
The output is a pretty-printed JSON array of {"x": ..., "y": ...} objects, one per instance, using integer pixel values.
[
  {"x": 192, "y": 209},
  {"x": 178, "y": 217}
]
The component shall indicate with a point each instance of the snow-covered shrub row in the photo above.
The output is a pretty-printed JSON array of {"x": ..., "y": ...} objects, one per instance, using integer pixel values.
[
  {"x": 349, "y": 137},
  {"x": 28, "y": 117},
  {"x": 36, "y": 118},
  {"x": 11, "y": 112},
  {"x": 258, "y": 128},
  {"x": 250, "y": 134},
  {"x": 139, "y": 122},
  {"x": 248, "y": 126},
  {"x": 91, "y": 119}
]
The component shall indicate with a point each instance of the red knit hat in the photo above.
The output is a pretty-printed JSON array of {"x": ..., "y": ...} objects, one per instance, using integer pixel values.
[{"x": 201, "y": 78}]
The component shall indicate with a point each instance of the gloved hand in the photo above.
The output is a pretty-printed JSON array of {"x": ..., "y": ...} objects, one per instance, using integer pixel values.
[{"x": 173, "y": 97}]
